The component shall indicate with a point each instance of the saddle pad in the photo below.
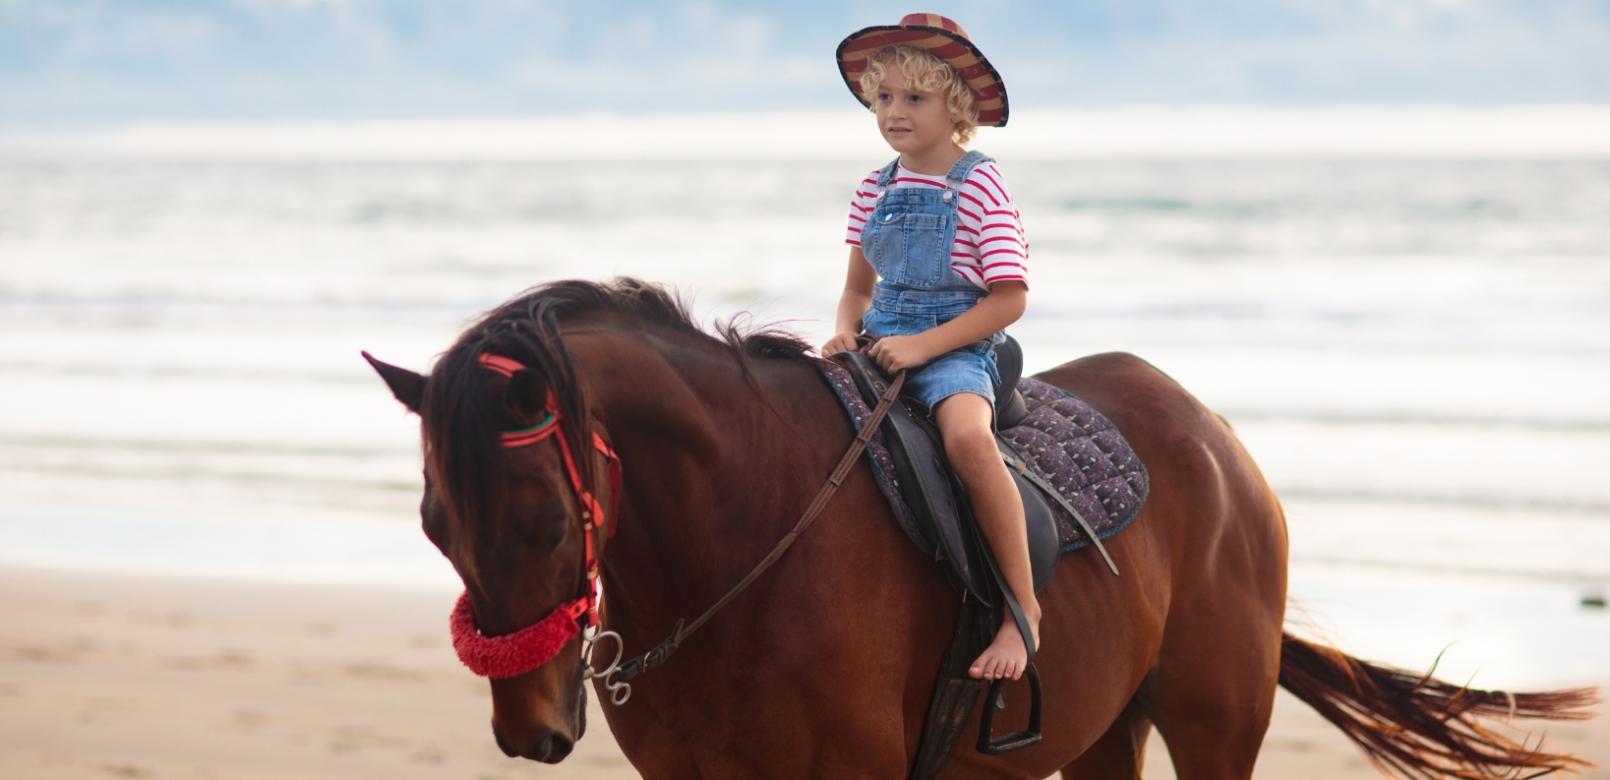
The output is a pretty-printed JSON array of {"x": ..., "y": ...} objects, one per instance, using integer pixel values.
[{"x": 1067, "y": 442}]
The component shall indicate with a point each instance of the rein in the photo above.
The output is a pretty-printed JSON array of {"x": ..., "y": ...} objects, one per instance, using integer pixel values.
[
  {"x": 511, "y": 655},
  {"x": 617, "y": 675}
]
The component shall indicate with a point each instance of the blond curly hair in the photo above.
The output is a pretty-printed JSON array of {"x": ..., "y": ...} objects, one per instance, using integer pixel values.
[{"x": 926, "y": 73}]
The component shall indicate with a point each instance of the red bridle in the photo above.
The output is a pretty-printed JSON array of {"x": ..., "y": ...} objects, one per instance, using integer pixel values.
[{"x": 512, "y": 655}]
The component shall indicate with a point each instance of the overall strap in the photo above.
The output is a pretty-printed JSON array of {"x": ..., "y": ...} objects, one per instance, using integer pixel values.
[
  {"x": 963, "y": 167},
  {"x": 887, "y": 174}
]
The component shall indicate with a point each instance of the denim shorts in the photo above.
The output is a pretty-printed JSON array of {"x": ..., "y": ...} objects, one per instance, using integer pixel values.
[
  {"x": 970, "y": 369},
  {"x": 966, "y": 369}
]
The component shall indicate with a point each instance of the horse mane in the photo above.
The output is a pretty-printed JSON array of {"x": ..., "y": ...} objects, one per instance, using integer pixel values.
[{"x": 462, "y": 421}]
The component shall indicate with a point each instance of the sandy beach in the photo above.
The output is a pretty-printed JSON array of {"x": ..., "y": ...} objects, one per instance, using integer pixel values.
[
  {"x": 108, "y": 676},
  {"x": 124, "y": 676}
]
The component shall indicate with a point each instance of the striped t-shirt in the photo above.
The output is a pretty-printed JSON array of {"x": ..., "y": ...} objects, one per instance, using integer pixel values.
[{"x": 990, "y": 246}]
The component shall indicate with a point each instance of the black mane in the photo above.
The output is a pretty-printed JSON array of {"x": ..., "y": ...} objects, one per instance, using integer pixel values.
[
  {"x": 462, "y": 421},
  {"x": 646, "y": 301}
]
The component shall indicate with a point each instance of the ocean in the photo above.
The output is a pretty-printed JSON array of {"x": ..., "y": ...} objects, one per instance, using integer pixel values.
[{"x": 1414, "y": 347}]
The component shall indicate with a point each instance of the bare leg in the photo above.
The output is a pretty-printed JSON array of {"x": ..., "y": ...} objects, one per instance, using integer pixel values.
[{"x": 964, "y": 420}]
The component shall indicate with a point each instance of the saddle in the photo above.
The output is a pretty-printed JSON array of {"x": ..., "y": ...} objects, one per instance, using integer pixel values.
[
  {"x": 909, "y": 460},
  {"x": 942, "y": 524}
]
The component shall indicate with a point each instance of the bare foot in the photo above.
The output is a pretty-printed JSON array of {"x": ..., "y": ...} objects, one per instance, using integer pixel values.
[{"x": 1006, "y": 656}]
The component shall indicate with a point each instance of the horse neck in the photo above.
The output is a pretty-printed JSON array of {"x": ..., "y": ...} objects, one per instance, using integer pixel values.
[{"x": 713, "y": 474}]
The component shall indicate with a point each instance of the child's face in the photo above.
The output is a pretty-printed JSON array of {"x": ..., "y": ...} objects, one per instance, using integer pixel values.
[{"x": 914, "y": 123}]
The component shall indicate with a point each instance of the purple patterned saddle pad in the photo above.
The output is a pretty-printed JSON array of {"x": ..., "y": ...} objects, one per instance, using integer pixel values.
[{"x": 1069, "y": 444}]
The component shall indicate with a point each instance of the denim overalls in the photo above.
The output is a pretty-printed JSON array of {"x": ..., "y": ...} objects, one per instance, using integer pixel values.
[{"x": 908, "y": 240}]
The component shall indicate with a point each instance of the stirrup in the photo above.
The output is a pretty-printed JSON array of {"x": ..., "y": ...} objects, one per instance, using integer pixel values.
[{"x": 1016, "y": 740}]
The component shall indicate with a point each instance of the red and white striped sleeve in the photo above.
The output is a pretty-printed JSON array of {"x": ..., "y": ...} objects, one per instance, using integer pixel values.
[
  {"x": 987, "y": 208},
  {"x": 861, "y": 205}
]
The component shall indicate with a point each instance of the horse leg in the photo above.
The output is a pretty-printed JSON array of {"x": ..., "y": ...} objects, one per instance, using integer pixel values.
[
  {"x": 1212, "y": 690},
  {"x": 1120, "y": 752},
  {"x": 1212, "y": 698}
]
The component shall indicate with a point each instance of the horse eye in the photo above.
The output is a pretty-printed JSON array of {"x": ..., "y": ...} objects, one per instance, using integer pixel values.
[{"x": 545, "y": 530}]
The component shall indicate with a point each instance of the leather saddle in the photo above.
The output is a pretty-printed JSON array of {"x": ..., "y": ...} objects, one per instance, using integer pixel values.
[{"x": 943, "y": 527}]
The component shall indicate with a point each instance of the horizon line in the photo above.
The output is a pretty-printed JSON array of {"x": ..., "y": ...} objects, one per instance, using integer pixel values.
[{"x": 1547, "y": 130}]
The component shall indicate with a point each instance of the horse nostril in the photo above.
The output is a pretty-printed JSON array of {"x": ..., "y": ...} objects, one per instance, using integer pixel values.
[{"x": 552, "y": 748}]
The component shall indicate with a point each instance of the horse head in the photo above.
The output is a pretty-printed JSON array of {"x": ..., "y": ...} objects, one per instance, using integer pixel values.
[{"x": 512, "y": 499}]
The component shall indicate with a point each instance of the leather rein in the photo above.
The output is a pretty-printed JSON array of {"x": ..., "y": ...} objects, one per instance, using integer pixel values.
[
  {"x": 513, "y": 654},
  {"x": 622, "y": 672}
]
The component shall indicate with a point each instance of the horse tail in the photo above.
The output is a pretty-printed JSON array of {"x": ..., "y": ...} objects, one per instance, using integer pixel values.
[{"x": 1417, "y": 726}]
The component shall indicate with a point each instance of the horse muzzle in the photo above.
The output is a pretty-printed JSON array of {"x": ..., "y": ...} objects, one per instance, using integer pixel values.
[
  {"x": 544, "y": 744},
  {"x": 532, "y": 720}
]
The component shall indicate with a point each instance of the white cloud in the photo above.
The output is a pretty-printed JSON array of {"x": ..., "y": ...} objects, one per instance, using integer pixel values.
[
  {"x": 73, "y": 59},
  {"x": 296, "y": 5},
  {"x": 1412, "y": 14}
]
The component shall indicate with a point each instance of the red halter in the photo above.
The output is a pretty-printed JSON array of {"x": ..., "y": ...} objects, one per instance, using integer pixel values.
[{"x": 512, "y": 655}]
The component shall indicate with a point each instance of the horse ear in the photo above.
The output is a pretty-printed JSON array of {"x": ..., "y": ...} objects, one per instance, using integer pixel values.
[{"x": 407, "y": 386}]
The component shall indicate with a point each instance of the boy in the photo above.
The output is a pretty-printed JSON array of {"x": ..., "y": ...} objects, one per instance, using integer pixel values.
[{"x": 937, "y": 270}]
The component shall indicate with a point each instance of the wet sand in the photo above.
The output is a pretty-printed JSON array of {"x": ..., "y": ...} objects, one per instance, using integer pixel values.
[{"x": 122, "y": 676}]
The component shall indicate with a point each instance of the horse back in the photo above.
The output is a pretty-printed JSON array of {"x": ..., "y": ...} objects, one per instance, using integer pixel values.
[
  {"x": 1212, "y": 533},
  {"x": 1210, "y": 484}
]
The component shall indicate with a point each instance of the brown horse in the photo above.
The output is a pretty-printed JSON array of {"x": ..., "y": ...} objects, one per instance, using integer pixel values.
[{"x": 823, "y": 668}]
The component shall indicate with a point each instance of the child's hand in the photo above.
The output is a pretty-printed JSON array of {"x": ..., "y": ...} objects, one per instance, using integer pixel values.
[
  {"x": 897, "y": 353},
  {"x": 842, "y": 342}
]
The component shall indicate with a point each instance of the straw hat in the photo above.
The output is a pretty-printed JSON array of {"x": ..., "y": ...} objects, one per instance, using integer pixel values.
[{"x": 940, "y": 37}]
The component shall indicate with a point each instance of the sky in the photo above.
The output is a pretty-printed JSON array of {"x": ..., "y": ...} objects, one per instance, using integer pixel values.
[{"x": 91, "y": 61}]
